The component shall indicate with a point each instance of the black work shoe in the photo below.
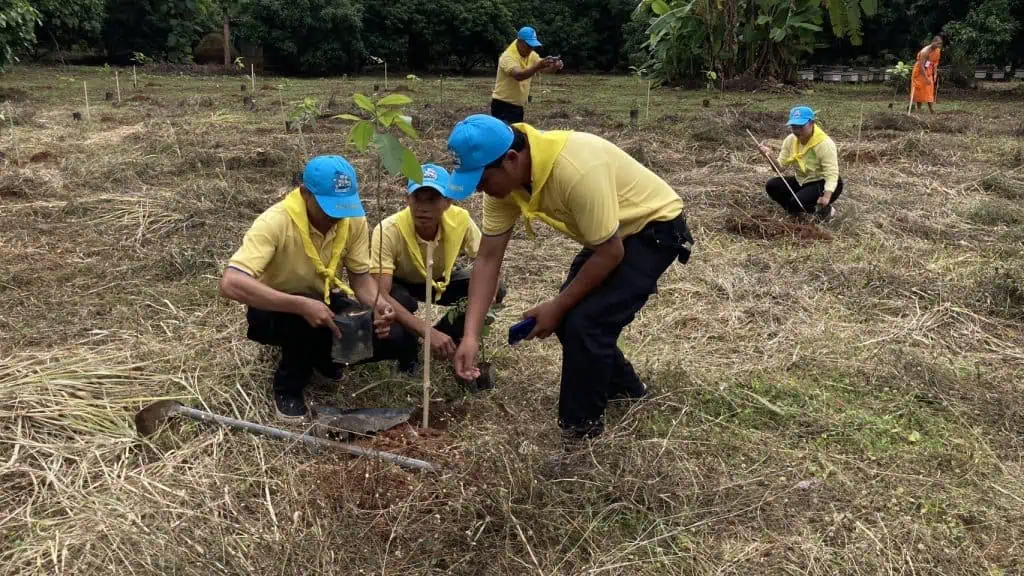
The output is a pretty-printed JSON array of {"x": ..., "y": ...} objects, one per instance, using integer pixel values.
[
  {"x": 289, "y": 405},
  {"x": 633, "y": 391}
]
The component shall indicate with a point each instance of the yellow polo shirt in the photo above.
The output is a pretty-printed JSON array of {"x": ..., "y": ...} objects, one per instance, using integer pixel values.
[
  {"x": 272, "y": 252},
  {"x": 595, "y": 189},
  {"x": 506, "y": 87},
  {"x": 822, "y": 163},
  {"x": 391, "y": 256}
]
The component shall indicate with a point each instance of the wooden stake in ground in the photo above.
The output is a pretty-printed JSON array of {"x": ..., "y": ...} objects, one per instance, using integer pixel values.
[
  {"x": 911, "y": 105},
  {"x": 441, "y": 103},
  {"x": 777, "y": 171},
  {"x": 85, "y": 89},
  {"x": 135, "y": 80},
  {"x": 648, "y": 119},
  {"x": 117, "y": 81},
  {"x": 429, "y": 302},
  {"x": 860, "y": 125},
  {"x": 252, "y": 68},
  {"x": 14, "y": 141}
]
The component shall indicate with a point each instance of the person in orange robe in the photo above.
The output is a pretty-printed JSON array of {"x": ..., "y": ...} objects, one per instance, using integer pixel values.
[{"x": 926, "y": 74}]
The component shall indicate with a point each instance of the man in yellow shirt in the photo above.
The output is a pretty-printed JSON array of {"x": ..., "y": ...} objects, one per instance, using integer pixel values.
[
  {"x": 398, "y": 252},
  {"x": 286, "y": 272},
  {"x": 628, "y": 220},
  {"x": 517, "y": 65},
  {"x": 817, "y": 184}
]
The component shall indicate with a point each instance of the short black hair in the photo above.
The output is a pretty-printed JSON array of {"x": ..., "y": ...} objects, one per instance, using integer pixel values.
[{"x": 518, "y": 144}]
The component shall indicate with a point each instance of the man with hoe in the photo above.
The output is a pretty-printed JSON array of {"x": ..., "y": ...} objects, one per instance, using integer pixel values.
[
  {"x": 817, "y": 184},
  {"x": 926, "y": 75},
  {"x": 628, "y": 220},
  {"x": 398, "y": 255},
  {"x": 516, "y": 66},
  {"x": 287, "y": 273}
]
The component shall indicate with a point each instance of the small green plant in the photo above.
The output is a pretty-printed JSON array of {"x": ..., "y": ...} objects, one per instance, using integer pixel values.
[
  {"x": 240, "y": 64},
  {"x": 385, "y": 117},
  {"x": 140, "y": 58},
  {"x": 710, "y": 77},
  {"x": 303, "y": 113},
  {"x": 413, "y": 78},
  {"x": 899, "y": 76},
  {"x": 107, "y": 68}
]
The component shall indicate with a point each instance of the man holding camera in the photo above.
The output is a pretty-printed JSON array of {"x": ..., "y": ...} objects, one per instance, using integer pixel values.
[{"x": 516, "y": 67}]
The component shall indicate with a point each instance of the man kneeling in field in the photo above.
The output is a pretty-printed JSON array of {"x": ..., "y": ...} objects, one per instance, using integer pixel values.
[
  {"x": 287, "y": 273},
  {"x": 628, "y": 220},
  {"x": 399, "y": 253}
]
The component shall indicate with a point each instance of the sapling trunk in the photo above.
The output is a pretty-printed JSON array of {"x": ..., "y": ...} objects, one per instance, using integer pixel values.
[{"x": 429, "y": 285}]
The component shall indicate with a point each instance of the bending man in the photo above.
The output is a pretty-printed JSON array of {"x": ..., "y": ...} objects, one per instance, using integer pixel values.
[
  {"x": 517, "y": 65},
  {"x": 628, "y": 220}
]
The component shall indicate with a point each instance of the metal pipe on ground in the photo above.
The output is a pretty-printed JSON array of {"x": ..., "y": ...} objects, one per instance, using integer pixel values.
[{"x": 149, "y": 419}]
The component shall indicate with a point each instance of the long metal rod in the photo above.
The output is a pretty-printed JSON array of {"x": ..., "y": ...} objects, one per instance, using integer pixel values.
[
  {"x": 303, "y": 438},
  {"x": 777, "y": 171}
]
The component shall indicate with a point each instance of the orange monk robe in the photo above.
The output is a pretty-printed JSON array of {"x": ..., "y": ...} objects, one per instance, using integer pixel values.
[{"x": 925, "y": 73}]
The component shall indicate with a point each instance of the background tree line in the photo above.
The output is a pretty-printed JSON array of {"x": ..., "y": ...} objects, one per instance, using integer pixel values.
[{"x": 674, "y": 40}]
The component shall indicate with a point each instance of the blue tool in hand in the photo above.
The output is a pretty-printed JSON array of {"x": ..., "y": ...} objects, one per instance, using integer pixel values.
[{"x": 520, "y": 330}]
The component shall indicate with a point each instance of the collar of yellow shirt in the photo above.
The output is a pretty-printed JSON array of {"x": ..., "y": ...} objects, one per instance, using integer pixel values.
[
  {"x": 295, "y": 205},
  {"x": 453, "y": 228},
  {"x": 799, "y": 151},
  {"x": 544, "y": 150}
]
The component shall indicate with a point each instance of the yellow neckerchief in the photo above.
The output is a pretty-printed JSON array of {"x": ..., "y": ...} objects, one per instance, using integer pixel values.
[
  {"x": 514, "y": 50},
  {"x": 453, "y": 227},
  {"x": 799, "y": 151},
  {"x": 544, "y": 149},
  {"x": 295, "y": 205}
]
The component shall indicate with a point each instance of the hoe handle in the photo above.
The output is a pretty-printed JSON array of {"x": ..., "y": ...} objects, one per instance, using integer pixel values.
[{"x": 203, "y": 416}]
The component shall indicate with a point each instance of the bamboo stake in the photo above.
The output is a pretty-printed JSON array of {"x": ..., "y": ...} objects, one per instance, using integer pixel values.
[
  {"x": 429, "y": 284},
  {"x": 14, "y": 140},
  {"x": 135, "y": 81},
  {"x": 860, "y": 126},
  {"x": 648, "y": 119},
  {"x": 777, "y": 171},
  {"x": 911, "y": 105},
  {"x": 85, "y": 89},
  {"x": 117, "y": 81}
]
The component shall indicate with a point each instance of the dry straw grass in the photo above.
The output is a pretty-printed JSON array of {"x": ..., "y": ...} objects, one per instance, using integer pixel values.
[{"x": 827, "y": 400}]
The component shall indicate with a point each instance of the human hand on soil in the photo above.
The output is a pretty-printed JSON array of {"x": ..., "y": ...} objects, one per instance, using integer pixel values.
[
  {"x": 383, "y": 315},
  {"x": 548, "y": 315},
  {"x": 318, "y": 315},
  {"x": 465, "y": 359},
  {"x": 441, "y": 344}
]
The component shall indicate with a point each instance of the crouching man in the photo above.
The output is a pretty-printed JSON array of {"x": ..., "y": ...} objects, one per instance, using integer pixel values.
[
  {"x": 287, "y": 272},
  {"x": 399, "y": 254}
]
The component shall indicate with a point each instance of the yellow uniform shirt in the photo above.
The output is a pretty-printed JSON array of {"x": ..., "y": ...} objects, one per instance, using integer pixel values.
[
  {"x": 821, "y": 163},
  {"x": 391, "y": 256},
  {"x": 272, "y": 252},
  {"x": 506, "y": 87},
  {"x": 595, "y": 189}
]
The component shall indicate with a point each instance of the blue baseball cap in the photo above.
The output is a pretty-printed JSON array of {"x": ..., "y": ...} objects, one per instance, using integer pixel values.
[
  {"x": 800, "y": 116},
  {"x": 474, "y": 143},
  {"x": 529, "y": 35},
  {"x": 332, "y": 181},
  {"x": 433, "y": 177}
]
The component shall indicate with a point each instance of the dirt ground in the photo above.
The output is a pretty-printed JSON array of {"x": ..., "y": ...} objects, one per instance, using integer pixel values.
[{"x": 842, "y": 399}]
